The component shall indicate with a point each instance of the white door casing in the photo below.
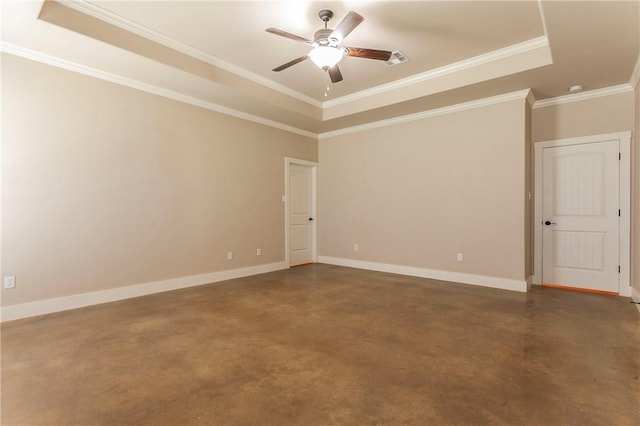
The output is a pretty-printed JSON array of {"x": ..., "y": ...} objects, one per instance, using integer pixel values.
[
  {"x": 300, "y": 211},
  {"x": 580, "y": 186}
]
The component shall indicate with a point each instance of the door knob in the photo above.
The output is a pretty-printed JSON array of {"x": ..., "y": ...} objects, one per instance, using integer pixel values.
[{"x": 548, "y": 222}]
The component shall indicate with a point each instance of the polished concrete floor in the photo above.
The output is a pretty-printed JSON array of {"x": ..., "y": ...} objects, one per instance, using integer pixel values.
[{"x": 322, "y": 345}]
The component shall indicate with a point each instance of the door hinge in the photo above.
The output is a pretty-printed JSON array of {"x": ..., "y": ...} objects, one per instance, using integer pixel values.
[
  {"x": 619, "y": 212},
  {"x": 619, "y": 156},
  {"x": 618, "y": 268}
]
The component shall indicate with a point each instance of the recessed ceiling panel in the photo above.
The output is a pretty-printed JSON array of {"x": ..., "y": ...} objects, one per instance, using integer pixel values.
[
  {"x": 219, "y": 53},
  {"x": 432, "y": 34}
]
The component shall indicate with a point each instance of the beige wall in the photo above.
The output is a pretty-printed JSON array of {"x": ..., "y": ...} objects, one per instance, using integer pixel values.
[
  {"x": 417, "y": 193},
  {"x": 106, "y": 186},
  {"x": 607, "y": 114}
]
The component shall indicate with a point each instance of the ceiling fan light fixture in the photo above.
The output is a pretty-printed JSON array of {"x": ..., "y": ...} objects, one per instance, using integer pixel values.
[
  {"x": 326, "y": 57},
  {"x": 326, "y": 50}
]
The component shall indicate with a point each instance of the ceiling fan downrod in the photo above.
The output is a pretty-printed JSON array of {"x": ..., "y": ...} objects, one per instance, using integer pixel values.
[{"x": 321, "y": 37}]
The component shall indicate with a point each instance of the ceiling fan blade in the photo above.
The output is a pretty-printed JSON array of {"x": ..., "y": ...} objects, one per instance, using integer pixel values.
[
  {"x": 348, "y": 24},
  {"x": 291, "y": 63},
  {"x": 286, "y": 34},
  {"x": 359, "y": 52},
  {"x": 335, "y": 74}
]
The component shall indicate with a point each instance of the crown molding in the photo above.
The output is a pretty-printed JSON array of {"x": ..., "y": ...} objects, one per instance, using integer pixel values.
[
  {"x": 531, "y": 100},
  {"x": 520, "y": 94},
  {"x": 134, "y": 84},
  {"x": 465, "y": 64},
  {"x": 635, "y": 75},
  {"x": 97, "y": 12},
  {"x": 583, "y": 96}
]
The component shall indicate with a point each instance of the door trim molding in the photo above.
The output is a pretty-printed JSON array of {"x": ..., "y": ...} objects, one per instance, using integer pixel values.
[
  {"x": 288, "y": 161},
  {"x": 624, "y": 228}
]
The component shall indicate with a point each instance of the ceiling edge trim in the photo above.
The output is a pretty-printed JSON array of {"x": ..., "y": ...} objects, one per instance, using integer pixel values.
[
  {"x": 531, "y": 99},
  {"x": 104, "y": 15},
  {"x": 591, "y": 94},
  {"x": 635, "y": 75},
  {"x": 485, "y": 58},
  {"x": 478, "y": 103},
  {"x": 134, "y": 84}
]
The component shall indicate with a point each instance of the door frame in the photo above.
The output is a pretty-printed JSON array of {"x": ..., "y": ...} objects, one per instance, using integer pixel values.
[
  {"x": 288, "y": 161},
  {"x": 624, "y": 221}
]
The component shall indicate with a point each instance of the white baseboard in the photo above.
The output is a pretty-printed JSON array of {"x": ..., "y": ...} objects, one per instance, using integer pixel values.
[
  {"x": 47, "y": 306},
  {"x": 458, "y": 277},
  {"x": 635, "y": 296}
]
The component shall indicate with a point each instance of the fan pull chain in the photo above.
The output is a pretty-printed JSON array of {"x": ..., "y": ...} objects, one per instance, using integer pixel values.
[{"x": 327, "y": 85}]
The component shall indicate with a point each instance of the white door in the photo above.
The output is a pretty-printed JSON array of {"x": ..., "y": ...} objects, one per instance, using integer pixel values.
[
  {"x": 301, "y": 220},
  {"x": 580, "y": 202}
]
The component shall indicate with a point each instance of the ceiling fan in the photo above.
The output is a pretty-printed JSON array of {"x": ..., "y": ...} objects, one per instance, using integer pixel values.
[{"x": 327, "y": 51}]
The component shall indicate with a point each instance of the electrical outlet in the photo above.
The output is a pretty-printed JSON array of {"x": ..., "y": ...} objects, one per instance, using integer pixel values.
[
  {"x": 258, "y": 252},
  {"x": 356, "y": 247},
  {"x": 10, "y": 282},
  {"x": 229, "y": 255},
  {"x": 459, "y": 257}
]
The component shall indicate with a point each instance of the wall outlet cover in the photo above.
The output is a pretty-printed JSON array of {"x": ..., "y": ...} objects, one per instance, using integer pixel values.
[{"x": 10, "y": 282}]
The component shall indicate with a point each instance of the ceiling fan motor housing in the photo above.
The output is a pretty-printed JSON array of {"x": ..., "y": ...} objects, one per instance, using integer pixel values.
[{"x": 321, "y": 37}]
